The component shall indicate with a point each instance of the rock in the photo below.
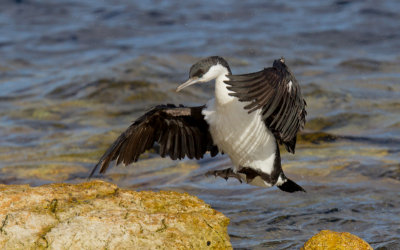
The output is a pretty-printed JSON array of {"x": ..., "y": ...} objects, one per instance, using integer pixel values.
[
  {"x": 327, "y": 239},
  {"x": 99, "y": 215}
]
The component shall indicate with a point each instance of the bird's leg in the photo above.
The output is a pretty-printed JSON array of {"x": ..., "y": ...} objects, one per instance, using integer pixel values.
[
  {"x": 225, "y": 173},
  {"x": 253, "y": 173}
]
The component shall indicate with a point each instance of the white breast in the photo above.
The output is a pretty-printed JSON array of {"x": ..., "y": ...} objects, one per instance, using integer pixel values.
[{"x": 242, "y": 136}]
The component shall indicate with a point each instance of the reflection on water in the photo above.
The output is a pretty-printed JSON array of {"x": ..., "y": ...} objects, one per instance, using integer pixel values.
[{"x": 74, "y": 74}]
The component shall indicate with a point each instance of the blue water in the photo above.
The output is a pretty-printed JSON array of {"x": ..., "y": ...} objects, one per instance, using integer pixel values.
[{"x": 57, "y": 116}]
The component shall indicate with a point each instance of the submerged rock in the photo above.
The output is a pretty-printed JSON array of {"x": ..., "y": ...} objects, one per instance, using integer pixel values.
[
  {"x": 99, "y": 215},
  {"x": 362, "y": 64},
  {"x": 327, "y": 239}
]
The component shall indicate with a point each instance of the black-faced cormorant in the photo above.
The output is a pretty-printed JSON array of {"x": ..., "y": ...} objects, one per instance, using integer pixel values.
[{"x": 248, "y": 117}]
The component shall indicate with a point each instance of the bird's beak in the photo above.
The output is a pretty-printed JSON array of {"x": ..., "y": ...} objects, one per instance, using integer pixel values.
[{"x": 189, "y": 82}]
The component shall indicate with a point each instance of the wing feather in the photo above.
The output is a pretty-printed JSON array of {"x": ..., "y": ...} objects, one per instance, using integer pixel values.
[
  {"x": 190, "y": 143},
  {"x": 277, "y": 93},
  {"x": 180, "y": 132},
  {"x": 177, "y": 140}
]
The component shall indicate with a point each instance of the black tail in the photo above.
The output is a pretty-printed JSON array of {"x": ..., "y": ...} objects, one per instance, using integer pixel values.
[{"x": 290, "y": 186}]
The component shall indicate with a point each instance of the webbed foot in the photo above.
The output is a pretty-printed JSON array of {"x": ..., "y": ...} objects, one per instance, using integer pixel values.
[{"x": 225, "y": 173}]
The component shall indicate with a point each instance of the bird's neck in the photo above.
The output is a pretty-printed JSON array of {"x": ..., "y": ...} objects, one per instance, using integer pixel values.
[{"x": 222, "y": 96}]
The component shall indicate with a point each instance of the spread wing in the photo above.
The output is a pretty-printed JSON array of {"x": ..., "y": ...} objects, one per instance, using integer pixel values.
[
  {"x": 277, "y": 93},
  {"x": 180, "y": 131}
]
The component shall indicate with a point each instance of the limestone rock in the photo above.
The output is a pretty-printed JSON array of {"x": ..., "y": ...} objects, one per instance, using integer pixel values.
[
  {"x": 99, "y": 215},
  {"x": 327, "y": 239}
]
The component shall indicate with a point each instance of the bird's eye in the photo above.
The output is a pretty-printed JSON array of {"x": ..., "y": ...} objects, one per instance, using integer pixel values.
[{"x": 199, "y": 73}]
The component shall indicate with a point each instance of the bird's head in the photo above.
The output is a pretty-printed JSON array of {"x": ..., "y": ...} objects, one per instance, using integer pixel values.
[{"x": 206, "y": 70}]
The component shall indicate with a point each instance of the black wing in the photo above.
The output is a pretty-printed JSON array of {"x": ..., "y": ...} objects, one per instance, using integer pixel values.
[
  {"x": 277, "y": 93},
  {"x": 180, "y": 131}
]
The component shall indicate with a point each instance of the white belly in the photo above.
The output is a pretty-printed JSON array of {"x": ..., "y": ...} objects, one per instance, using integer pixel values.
[{"x": 242, "y": 136}]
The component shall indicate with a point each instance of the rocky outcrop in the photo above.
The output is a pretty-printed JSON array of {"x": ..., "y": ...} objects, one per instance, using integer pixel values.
[
  {"x": 99, "y": 215},
  {"x": 327, "y": 239}
]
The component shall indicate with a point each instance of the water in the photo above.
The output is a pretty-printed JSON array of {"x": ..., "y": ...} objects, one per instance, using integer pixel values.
[{"x": 74, "y": 74}]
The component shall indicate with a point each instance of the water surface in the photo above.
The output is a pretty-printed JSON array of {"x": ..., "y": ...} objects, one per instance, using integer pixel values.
[{"x": 75, "y": 74}]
